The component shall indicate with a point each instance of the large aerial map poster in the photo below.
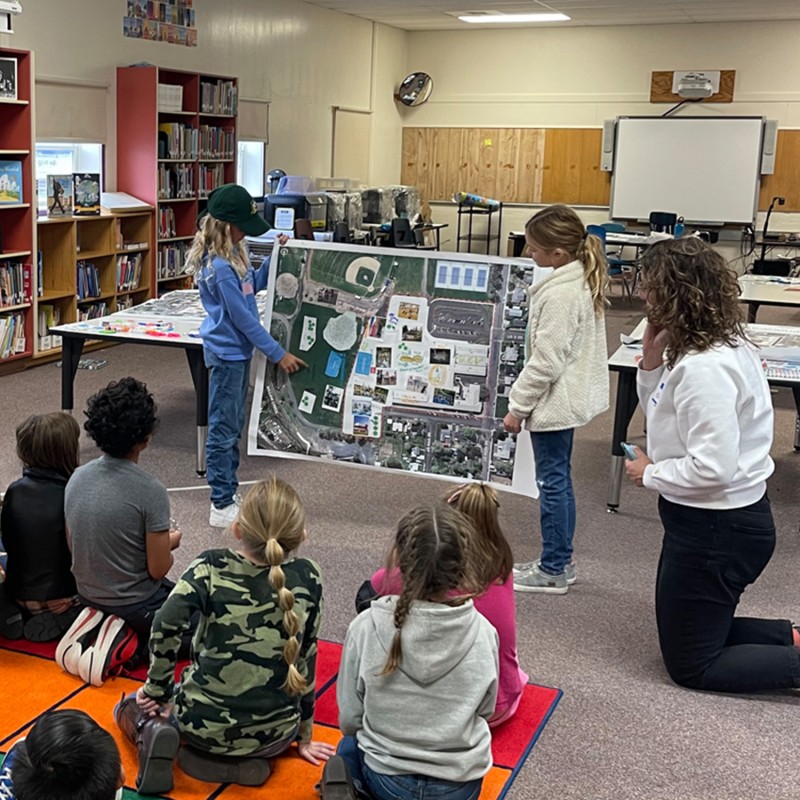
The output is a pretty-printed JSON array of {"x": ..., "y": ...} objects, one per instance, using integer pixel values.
[{"x": 411, "y": 355}]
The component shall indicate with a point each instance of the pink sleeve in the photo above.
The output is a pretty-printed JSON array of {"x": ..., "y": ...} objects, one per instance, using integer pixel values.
[{"x": 387, "y": 583}]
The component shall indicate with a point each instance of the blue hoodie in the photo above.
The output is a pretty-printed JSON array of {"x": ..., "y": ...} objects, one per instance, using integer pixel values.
[{"x": 233, "y": 328}]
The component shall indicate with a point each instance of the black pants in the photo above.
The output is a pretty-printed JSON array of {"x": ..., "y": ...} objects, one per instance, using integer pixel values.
[{"x": 708, "y": 558}]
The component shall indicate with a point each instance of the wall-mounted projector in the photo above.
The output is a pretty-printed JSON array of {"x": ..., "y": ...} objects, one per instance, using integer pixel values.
[
  {"x": 7, "y": 8},
  {"x": 695, "y": 85}
]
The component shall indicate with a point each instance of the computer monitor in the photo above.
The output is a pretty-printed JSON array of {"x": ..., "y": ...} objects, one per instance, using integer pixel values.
[{"x": 281, "y": 210}]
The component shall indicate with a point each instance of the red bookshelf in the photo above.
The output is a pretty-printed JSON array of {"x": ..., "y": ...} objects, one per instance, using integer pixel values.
[
  {"x": 172, "y": 150},
  {"x": 17, "y": 219}
]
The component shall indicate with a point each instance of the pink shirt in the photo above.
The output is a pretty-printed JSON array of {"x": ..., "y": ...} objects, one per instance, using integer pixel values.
[{"x": 497, "y": 605}]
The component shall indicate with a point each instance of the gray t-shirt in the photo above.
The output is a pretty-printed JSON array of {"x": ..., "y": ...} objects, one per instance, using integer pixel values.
[{"x": 110, "y": 504}]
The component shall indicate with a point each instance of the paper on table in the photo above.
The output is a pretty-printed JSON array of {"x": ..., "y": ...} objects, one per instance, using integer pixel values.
[{"x": 120, "y": 201}]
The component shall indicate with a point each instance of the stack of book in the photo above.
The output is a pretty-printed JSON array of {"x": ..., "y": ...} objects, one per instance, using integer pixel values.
[
  {"x": 129, "y": 272},
  {"x": 15, "y": 283},
  {"x": 220, "y": 97},
  {"x": 12, "y": 334},
  {"x": 170, "y": 260},
  {"x": 216, "y": 142},
  {"x": 211, "y": 176},
  {"x": 88, "y": 280},
  {"x": 92, "y": 311},
  {"x": 175, "y": 182},
  {"x": 166, "y": 223},
  {"x": 177, "y": 140}
]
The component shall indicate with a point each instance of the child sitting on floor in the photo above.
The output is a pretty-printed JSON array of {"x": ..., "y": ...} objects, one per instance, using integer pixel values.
[
  {"x": 248, "y": 692},
  {"x": 418, "y": 679},
  {"x": 38, "y": 577},
  {"x": 480, "y": 503},
  {"x": 66, "y": 755}
]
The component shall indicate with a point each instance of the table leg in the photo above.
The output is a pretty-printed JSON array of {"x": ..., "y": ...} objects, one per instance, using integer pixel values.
[
  {"x": 200, "y": 379},
  {"x": 71, "y": 349},
  {"x": 796, "y": 393},
  {"x": 623, "y": 411},
  {"x": 752, "y": 310}
]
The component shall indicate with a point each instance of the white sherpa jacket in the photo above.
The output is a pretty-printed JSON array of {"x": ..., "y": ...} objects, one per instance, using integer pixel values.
[{"x": 564, "y": 382}]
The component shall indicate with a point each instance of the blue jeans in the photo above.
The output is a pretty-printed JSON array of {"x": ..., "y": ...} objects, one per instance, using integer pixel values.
[
  {"x": 552, "y": 451},
  {"x": 401, "y": 787},
  {"x": 227, "y": 395}
]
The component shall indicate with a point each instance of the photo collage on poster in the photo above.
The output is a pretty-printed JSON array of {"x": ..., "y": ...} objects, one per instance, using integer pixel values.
[{"x": 170, "y": 21}]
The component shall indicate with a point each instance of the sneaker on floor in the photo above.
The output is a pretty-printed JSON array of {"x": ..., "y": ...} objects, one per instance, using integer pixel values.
[
  {"x": 47, "y": 626},
  {"x": 523, "y": 568},
  {"x": 114, "y": 647},
  {"x": 80, "y": 635},
  {"x": 538, "y": 581},
  {"x": 337, "y": 783},
  {"x": 223, "y": 517},
  {"x": 571, "y": 571}
]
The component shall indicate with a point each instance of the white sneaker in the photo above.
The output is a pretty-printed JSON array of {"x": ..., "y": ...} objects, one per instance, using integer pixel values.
[{"x": 223, "y": 517}]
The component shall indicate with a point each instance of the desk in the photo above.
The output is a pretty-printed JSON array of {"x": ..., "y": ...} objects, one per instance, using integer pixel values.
[
  {"x": 170, "y": 321},
  {"x": 624, "y": 361},
  {"x": 762, "y": 290}
]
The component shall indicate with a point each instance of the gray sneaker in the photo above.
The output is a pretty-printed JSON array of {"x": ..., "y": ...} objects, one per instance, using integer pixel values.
[
  {"x": 571, "y": 572},
  {"x": 523, "y": 568},
  {"x": 538, "y": 581}
]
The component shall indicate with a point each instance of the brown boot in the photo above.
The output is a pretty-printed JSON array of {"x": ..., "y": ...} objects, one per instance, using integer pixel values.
[
  {"x": 223, "y": 769},
  {"x": 157, "y": 741}
]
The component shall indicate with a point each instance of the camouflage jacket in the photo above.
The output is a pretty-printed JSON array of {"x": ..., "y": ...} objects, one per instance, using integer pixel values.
[{"x": 229, "y": 699}]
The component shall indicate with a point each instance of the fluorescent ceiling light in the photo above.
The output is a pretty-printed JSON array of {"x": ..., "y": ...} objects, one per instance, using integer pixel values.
[{"x": 512, "y": 18}]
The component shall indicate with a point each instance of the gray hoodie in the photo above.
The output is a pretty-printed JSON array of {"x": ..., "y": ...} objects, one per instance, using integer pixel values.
[{"x": 429, "y": 717}]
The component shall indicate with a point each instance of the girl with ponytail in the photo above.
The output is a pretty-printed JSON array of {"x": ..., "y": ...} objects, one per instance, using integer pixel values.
[
  {"x": 248, "y": 693},
  {"x": 564, "y": 383},
  {"x": 418, "y": 678}
]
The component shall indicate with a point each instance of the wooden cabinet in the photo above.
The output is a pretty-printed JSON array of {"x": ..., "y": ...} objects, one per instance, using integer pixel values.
[{"x": 176, "y": 141}]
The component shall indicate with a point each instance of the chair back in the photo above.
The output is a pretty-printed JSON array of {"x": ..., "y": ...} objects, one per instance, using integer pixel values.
[
  {"x": 303, "y": 229},
  {"x": 401, "y": 233},
  {"x": 341, "y": 233},
  {"x": 599, "y": 231},
  {"x": 613, "y": 227},
  {"x": 663, "y": 221}
]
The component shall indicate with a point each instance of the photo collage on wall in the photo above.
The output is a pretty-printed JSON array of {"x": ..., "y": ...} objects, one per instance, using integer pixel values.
[{"x": 170, "y": 21}]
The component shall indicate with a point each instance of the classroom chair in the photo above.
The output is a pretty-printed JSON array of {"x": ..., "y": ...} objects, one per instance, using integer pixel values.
[
  {"x": 620, "y": 269},
  {"x": 401, "y": 235},
  {"x": 341, "y": 233},
  {"x": 303, "y": 229},
  {"x": 663, "y": 221}
]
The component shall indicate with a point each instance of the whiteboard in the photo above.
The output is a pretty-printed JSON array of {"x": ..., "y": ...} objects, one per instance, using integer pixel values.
[{"x": 704, "y": 169}]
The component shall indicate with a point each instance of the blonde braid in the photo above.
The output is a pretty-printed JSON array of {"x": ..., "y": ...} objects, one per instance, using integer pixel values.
[{"x": 592, "y": 255}]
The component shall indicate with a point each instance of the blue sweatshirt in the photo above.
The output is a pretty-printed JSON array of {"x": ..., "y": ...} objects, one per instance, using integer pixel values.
[{"x": 232, "y": 328}]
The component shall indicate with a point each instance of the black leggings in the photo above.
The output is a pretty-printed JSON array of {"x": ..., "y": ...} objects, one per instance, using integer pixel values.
[{"x": 708, "y": 558}]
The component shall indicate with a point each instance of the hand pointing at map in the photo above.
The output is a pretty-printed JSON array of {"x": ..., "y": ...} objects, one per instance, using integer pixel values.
[{"x": 290, "y": 363}]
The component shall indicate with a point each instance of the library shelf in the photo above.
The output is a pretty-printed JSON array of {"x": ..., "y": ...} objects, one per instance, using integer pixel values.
[
  {"x": 5, "y": 153},
  {"x": 17, "y": 307},
  {"x": 14, "y": 254},
  {"x": 7, "y": 101},
  {"x": 176, "y": 239},
  {"x": 9, "y": 206}
]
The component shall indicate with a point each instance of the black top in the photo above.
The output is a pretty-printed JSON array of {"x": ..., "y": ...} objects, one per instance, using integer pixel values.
[{"x": 35, "y": 537}]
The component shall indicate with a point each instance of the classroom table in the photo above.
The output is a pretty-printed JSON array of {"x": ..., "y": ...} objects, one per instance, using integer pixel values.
[
  {"x": 624, "y": 362},
  {"x": 765, "y": 290},
  {"x": 144, "y": 325}
]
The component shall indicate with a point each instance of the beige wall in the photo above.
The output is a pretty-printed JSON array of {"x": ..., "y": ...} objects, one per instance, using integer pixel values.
[{"x": 301, "y": 58}]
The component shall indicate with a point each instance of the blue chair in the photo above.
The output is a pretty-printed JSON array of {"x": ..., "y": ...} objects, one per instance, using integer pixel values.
[{"x": 619, "y": 269}]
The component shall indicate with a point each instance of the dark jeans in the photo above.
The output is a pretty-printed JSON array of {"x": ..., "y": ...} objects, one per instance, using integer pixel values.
[
  {"x": 552, "y": 451},
  {"x": 139, "y": 617},
  {"x": 708, "y": 559},
  {"x": 401, "y": 787},
  {"x": 227, "y": 397}
]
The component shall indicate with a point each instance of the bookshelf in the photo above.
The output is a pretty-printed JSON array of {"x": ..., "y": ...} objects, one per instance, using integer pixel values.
[
  {"x": 17, "y": 228},
  {"x": 176, "y": 141},
  {"x": 118, "y": 248}
]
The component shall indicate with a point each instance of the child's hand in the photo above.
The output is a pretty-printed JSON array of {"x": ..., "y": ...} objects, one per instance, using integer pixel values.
[
  {"x": 511, "y": 423},
  {"x": 315, "y": 752},
  {"x": 152, "y": 707},
  {"x": 635, "y": 468},
  {"x": 654, "y": 342},
  {"x": 290, "y": 363},
  {"x": 175, "y": 539},
  {"x": 282, "y": 239}
]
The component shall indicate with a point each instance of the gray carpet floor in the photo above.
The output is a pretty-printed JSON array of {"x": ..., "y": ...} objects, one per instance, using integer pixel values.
[{"x": 622, "y": 729}]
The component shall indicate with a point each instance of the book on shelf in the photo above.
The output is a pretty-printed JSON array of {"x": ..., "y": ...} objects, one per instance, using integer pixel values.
[
  {"x": 176, "y": 140},
  {"x": 92, "y": 311},
  {"x": 218, "y": 97},
  {"x": 12, "y": 334},
  {"x": 49, "y": 317},
  {"x": 175, "y": 181},
  {"x": 8, "y": 78},
  {"x": 87, "y": 193},
  {"x": 124, "y": 303},
  {"x": 15, "y": 283},
  {"x": 59, "y": 195},
  {"x": 39, "y": 274},
  {"x": 88, "y": 280},
  {"x": 216, "y": 142},
  {"x": 121, "y": 202},
  {"x": 211, "y": 176},
  {"x": 11, "y": 182},
  {"x": 170, "y": 260},
  {"x": 129, "y": 272},
  {"x": 166, "y": 223}
]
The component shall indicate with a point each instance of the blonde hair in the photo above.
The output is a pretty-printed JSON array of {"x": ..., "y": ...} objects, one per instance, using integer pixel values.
[
  {"x": 272, "y": 524},
  {"x": 479, "y": 502},
  {"x": 213, "y": 238},
  {"x": 559, "y": 227}
]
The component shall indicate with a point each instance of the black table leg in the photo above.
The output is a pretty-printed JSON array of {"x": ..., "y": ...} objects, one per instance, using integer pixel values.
[
  {"x": 200, "y": 379},
  {"x": 71, "y": 349},
  {"x": 626, "y": 403},
  {"x": 796, "y": 393},
  {"x": 752, "y": 310}
]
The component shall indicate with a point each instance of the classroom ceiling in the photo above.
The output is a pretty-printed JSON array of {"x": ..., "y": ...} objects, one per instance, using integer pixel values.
[{"x": 433, "y": 15}]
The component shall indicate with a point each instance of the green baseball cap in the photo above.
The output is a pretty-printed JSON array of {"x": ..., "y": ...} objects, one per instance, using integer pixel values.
[{"x": 233, "y": 203}]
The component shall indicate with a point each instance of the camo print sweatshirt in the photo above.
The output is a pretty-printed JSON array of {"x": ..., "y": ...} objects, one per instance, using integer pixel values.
[{"x": 229, "y": 700}]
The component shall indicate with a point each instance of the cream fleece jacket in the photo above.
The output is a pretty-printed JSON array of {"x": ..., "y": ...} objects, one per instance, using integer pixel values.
[{"x": 564, "y": 383}]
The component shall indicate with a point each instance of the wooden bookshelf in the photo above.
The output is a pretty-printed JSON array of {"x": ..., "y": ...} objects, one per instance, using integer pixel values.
[
  {"x": 17, "y": 228},
  {"x": 159, "y": 177},
  {"x": 102, "y": 240}
]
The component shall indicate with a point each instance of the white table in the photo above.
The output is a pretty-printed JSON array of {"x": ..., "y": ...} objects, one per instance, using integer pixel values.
[
  {"x": 764, "y": 290},
  {"x": 624, "y": 361}
]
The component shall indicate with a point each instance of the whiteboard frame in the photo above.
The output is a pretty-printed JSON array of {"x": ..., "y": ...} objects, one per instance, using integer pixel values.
[{"x": 711, "y": 120}]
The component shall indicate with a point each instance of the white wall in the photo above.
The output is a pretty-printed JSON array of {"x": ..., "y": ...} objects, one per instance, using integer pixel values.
[{"x": 301, "y": 58}]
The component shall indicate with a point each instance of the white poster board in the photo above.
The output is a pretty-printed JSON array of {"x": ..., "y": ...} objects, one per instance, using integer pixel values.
[
  {"x": 411, "y": 355},
  {"x": 704, "y": 169}
]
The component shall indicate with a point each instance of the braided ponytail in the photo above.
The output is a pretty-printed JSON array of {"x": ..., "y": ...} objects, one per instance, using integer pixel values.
[{"x": 272, "y": 525}]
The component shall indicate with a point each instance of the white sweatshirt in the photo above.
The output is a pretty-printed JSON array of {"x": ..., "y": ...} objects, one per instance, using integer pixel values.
[{"x": 709, "y": 428}]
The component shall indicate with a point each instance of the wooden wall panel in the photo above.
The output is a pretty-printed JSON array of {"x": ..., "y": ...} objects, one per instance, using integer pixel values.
[
  {"x": 785, "y": 182},
  {"x": 571, "y": 172}
]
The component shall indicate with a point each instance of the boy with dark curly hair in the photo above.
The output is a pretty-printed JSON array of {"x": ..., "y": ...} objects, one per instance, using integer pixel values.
[{"x": 118, "y": 516}]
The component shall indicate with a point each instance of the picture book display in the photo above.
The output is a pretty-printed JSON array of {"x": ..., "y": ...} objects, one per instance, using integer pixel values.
[
  {"x": 8, "y": 78},
  {"x": 11, "y": 182},
  {"x": 411, "y": 358},
  {"x": 87, "y": 193},
  {"x": 59, "y": 195}
]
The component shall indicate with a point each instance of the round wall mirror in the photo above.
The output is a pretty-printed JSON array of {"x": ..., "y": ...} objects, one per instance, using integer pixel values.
[{"x": 415, "y": 89}]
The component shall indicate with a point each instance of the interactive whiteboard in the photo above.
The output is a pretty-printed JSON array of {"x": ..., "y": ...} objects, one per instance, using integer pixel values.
[{"x": 704, "y": 169}]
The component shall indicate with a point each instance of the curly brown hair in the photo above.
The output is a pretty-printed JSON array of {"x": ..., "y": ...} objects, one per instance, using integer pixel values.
[{"x": 692, "y": 293}]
